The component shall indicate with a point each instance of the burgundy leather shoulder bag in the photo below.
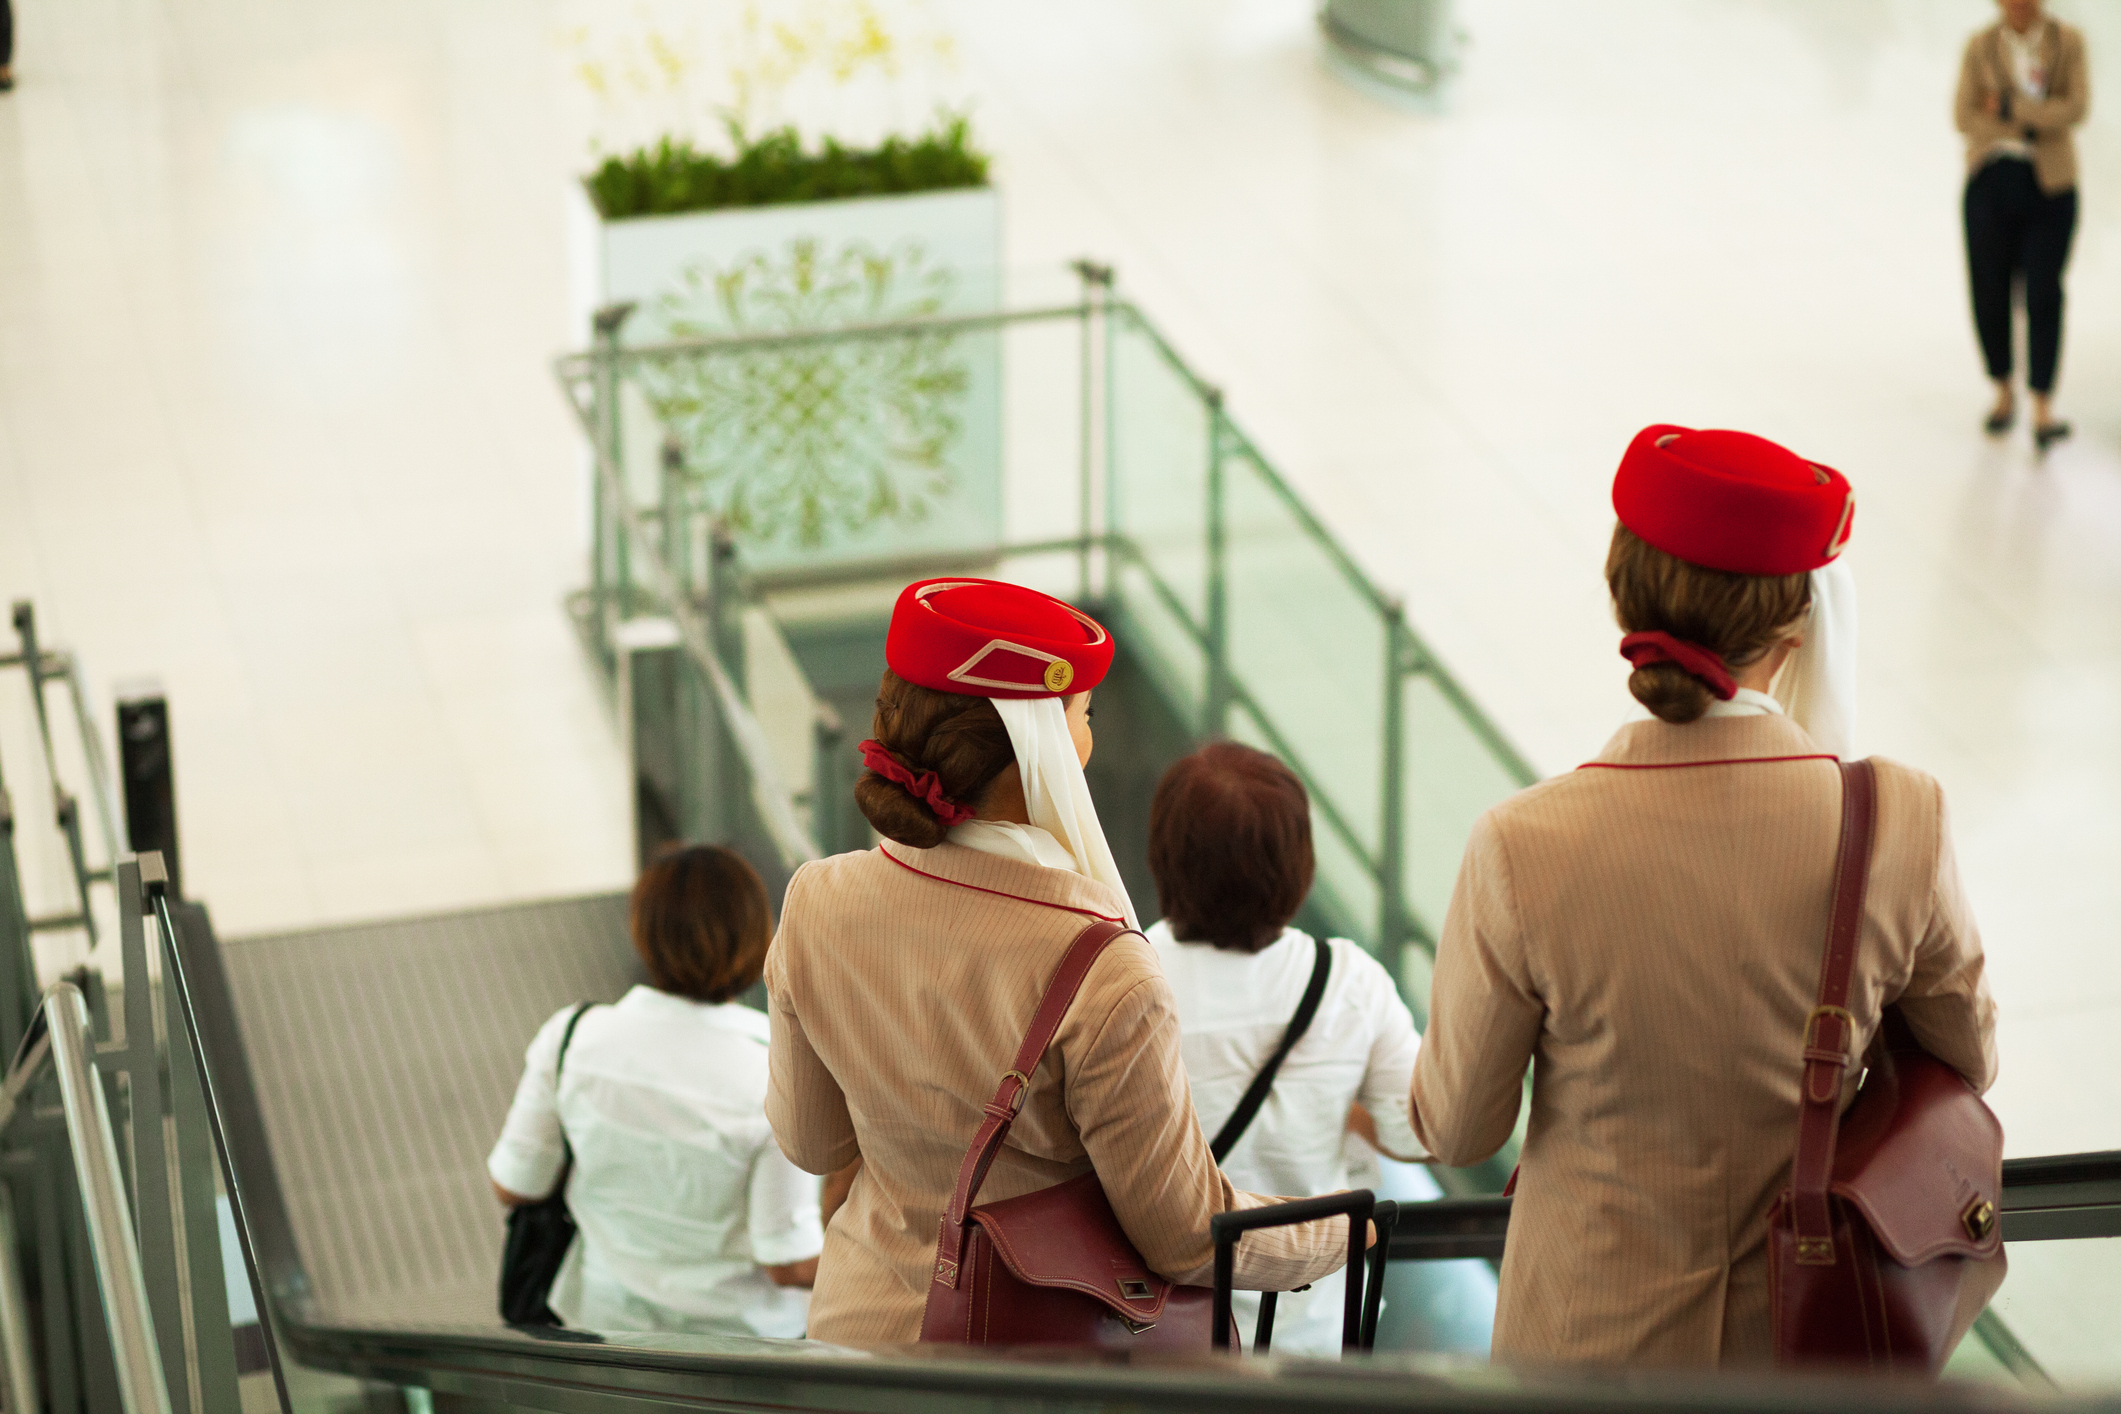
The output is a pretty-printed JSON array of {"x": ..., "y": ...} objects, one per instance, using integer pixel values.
[
  {"x": 1888, "y": 1242},
  {"x": 1052, "y": 1267}
]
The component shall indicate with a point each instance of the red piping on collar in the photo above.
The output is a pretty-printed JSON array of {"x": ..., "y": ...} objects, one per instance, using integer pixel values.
[
  {"x": 1085, "y": 912},
  {"x": 1682, "y": 765}
]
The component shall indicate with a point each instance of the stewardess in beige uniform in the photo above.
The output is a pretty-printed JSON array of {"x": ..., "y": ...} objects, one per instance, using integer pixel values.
[
  {"x": 903, "y": 978},
  {"x": 1646, "y": 932}
]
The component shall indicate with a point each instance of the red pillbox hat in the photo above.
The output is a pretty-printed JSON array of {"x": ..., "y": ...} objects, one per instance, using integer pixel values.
[
  {"x": 1732, "y": 501},
  {"x": 984, "y": 638}
]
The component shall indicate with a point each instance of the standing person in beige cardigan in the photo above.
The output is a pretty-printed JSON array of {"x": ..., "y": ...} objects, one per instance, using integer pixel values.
[
  {"x": 2023, "y": 85},
  {"x": 904, "y": 977},
  {"x": 1647, "y": 931}
]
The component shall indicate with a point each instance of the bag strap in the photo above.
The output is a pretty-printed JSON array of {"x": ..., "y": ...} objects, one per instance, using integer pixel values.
[
  {"x": 1830, "y": 1032},
  {"x": 559, "y": 1062},
  {"x": 1015, "y": 1085},
  {"x": 1248, "y": 1105}
]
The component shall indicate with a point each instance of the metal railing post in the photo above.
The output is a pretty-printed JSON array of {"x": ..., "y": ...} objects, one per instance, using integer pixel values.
[
  {"x": 828, "y": 804},
  {"x": 64, "y": 807},
  {"x": 608, "y": 551},
  {"x": 1215, "y": 716},
  {"x": 670, "y": 508},
  {"x": 1097, "y": 292},
  {"x": 49, "y": 1198},
  {"x": 143, "y": 1071},
  {"x": 21, "y": 1354},
  {"x": 18, "y": 969},
  {"x": 1392, "y": 797},
  {"x": 141, "y": 1384},
  {"x": 725, "y": 609}
]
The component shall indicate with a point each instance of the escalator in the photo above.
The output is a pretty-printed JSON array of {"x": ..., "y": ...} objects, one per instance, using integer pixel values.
[
  {"x": 358, "y": 1174},
  {"x": 338, "y": 1088}
]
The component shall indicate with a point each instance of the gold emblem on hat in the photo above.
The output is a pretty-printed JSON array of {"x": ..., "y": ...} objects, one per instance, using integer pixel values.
[{"x": 1059, "y": 675}]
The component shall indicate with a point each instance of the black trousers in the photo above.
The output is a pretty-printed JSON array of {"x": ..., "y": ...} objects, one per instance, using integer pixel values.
[{"x": 2014, "y": 229}]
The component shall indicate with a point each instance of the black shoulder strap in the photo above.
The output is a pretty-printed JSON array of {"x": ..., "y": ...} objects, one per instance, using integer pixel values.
[
  {"x": 559, "y": 1063},
  {"x": 1248, "y": 1107}
]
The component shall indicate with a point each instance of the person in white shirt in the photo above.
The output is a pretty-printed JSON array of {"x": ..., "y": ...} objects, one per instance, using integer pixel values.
[
  {"x": 689, "y": 1217},
  {"x": 1230, "y": 849}
]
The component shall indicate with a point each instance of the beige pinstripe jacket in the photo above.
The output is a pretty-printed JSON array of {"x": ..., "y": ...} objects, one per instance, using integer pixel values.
[
  {"x": 902, "y": 982},
  {"x": 1647, "y": 933},
  {"x": 1984, "y": 67}
]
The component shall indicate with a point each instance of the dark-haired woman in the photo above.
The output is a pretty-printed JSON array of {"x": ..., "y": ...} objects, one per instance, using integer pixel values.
[
  {"x": 1647, "y": 932},
  {"x": 905, "y": 977},
  {"x": 1230, "y": 847},
  {"x": 690, "y": 1218}
]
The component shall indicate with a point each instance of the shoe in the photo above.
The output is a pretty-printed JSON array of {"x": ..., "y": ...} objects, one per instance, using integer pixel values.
[
  {"x": 2049, "y": 433},
  {"x": 1999, "y": 423}
]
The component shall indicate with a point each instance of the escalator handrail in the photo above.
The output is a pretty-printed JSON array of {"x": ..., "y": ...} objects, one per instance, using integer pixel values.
[
  {"x": 2048, "y": 1197},
  {"x": 578, "y": 1372},
  {"x": 61, "y": 1036},
  {"x": 154, "y": 880}
]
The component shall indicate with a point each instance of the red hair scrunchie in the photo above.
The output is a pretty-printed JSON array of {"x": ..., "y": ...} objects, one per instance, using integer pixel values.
[
  {"x": 1643, "y": 649},
  {"x": 926, "y": 787}
]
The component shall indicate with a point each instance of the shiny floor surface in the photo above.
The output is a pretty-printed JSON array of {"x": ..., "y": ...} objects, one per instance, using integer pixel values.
[{"x": 279, "y": 285}]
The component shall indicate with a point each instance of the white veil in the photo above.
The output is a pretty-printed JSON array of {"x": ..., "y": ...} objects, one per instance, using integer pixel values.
[
  {"x": 1056, "y": 795},
  {"x": 1817, "y": 687}
]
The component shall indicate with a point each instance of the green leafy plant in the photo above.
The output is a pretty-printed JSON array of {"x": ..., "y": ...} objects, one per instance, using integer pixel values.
[{"x": 674, "y": 176}]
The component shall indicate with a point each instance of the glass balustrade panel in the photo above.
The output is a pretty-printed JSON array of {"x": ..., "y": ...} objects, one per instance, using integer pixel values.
[
  {"x": 1042, "y": 431},
  {"x": 1306, "y": 645},
  {"x": 1159, "y": 463},
  {"x": 1150, "y": 628},
  {"x": 2062, "y": 1302},
  {"x": 1452, "y": 774}
]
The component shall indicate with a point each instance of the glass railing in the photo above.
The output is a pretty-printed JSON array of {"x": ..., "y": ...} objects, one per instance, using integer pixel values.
[{"x": 1107, "y": 471}]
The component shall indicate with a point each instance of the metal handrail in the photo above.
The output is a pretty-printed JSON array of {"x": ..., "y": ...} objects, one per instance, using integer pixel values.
[
  {"x": 61, "y": 1035},
  {"x": 579, "y": 363},
  {"x": 2052, "y": 1197},
  {"x": 43, "y": 666},
  {"x": 154, "y": 879}
]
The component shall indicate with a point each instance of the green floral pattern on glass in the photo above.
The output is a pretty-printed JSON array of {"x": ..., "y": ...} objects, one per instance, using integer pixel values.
[{"x": 802, "y": 442}]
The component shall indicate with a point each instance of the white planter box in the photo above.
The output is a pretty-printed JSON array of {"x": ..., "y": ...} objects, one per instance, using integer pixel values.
[{"x": 820, "y": 453}]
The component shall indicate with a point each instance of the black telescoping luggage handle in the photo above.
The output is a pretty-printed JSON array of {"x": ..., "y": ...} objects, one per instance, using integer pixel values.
[{"x": 1358, "y": 1205}]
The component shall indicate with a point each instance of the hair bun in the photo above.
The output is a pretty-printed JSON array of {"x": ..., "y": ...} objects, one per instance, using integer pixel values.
[
  {"x": 950, "y": 746},
  {"x": 1671, "y": 692},
  {"x": 896, "y": 814}
]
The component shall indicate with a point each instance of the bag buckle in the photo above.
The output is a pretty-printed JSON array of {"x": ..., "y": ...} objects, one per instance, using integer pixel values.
[
  {"x": 1826, "y": 1013},
  {"x": 1134, "y": 1289},
  {"x": 1815, "y": 1251},
  {"x": 1979, "y": 1219},
  {"x": 1023, "y": 1091}
]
